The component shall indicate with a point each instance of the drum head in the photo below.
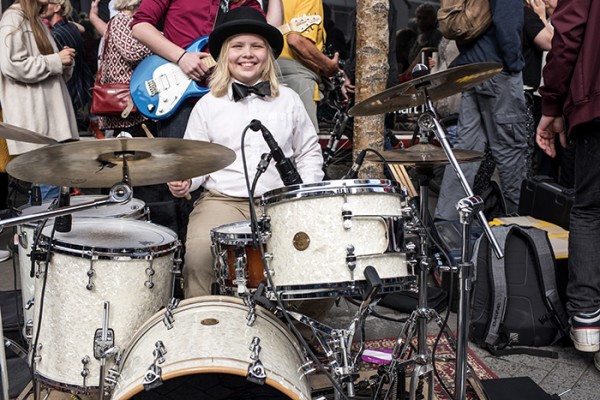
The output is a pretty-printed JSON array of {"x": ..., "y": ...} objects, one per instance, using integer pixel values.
[
  {"x": 113, "y": 236},
  {"x": 231, "y": 234}
]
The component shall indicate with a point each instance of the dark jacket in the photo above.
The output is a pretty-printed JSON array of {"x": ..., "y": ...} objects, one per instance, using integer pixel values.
[
  {"x": 571, "y": 75},
  {"x": 501, "y": 42}
]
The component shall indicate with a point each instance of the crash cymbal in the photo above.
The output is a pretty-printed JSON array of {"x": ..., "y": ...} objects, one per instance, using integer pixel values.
[
  {"x": 12, "y": 132},
  {"x": 425, "y": 155},
  {"x": 98, "y": 163},
  {"x": 439, "y": 85}
]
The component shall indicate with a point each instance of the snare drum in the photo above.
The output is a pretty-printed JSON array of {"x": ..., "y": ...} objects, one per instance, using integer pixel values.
[
  {"x": 134, "y": 209},
  {"x": 323, "y": 235},
  {"x": 104, "y": 272},
  {"x": 237, "y": 263},
  {"x": 210, "y": 352}
]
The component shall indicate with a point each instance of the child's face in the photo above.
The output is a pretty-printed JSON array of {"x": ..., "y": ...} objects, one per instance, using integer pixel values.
[{"x": 247, "y": 58}]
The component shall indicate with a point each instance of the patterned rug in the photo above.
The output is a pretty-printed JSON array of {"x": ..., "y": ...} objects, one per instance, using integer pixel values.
[{"x": 445, "y": 365}]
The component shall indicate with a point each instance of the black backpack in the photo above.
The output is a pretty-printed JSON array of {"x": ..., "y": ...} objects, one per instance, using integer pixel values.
[{"x": 515, "y": 300}]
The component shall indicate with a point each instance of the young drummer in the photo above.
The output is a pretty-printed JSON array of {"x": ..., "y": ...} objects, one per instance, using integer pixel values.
[{"x": 243, "y": 87}]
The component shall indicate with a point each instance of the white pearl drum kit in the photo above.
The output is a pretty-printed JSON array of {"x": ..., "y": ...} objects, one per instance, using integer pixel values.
[{"x": 101, "y": 319}]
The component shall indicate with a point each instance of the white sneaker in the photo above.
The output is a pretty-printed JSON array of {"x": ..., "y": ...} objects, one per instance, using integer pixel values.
[{"x": 4, "y": 255}]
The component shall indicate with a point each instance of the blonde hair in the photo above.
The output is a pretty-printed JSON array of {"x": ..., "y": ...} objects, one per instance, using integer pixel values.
[
  {"x": 66, "y": 8},
  {"x": 221, "y": 77},
  {"x": 120, "y": 5},
  {"x": 30, "y": 10}
]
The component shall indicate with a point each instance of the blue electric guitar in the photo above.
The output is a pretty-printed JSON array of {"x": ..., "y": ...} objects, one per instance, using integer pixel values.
[{"x": 159, "y": 86}]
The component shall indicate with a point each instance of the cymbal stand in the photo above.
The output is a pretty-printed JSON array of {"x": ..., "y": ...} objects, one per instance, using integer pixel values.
[
  {"x": 468, "y": 207},
  {"x": 3, "y": 365},
  {"x": 416, "y": 324}
]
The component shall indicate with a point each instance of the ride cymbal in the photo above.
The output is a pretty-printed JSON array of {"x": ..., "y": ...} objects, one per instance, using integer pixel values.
[
  {"x": 439, "y": 85},
  {"x": 99, "y": 163},
  {"x": 18, "y": 134},
  {"x": 425, "y": 155}
]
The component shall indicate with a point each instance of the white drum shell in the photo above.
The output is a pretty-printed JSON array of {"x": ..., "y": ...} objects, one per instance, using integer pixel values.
[
  {"x": 134, "y": 209},
  {"x": 194, "y": 347},
  {"x": 72, "y": 313},
  {"x": 319, "y": 216}
]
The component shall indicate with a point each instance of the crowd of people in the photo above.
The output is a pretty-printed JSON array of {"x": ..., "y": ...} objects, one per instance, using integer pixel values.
[{"x": 261, "y": 74}]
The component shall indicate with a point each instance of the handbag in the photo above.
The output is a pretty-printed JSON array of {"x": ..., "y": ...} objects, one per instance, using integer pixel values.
[{"x": 111, "y": 99}]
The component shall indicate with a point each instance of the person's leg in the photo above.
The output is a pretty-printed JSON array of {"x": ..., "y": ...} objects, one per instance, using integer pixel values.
[
  {"x": 470, "y": 137},
  {"x": 302, "y": 81},
  {"x": 583, "y": 288},
  {"x": 505, "y": 119},
  {"x": 211, "y": 211}
]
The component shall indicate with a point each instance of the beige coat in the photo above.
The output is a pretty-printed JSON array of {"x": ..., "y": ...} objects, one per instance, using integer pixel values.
[{"x": 33, "y": 92}]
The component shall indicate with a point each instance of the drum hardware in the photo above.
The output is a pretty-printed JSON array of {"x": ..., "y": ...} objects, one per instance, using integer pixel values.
[
  {"x": 150, "y": 272},
  {"x": 90, "y": 273},
  {"x": 104, "y": 342},
  {"x": 85, "y": 371},
  {"x": 256, "y": 370},
  {"x": 169, "y": 318},
  {"x": 153, "y": 376},
  {"x": 337, "y": 343},
  {"x": 251, "y": 314}
]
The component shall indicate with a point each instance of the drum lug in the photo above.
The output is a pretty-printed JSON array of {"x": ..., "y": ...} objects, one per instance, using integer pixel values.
[
  {"x": 169, "y": 318},
  {"x": 268, "y": 258},
  {"x": 251, "y": 315},
  {"x": 23, "y": 240},
  {"x": 152, "y": 377},
  {"x": 264, "y": 224},
  {"x": 177, "y": 261},
  {"x": 150, "y": 272},
  {"x": 346, "y": 215},
  {"x": 90, "y": 273},
  {"x": 85, "y": 371},
  {"x": 256, "y": 370},
  {"x": 351, "y": 260},
  {"x": 29, "y": 330}
]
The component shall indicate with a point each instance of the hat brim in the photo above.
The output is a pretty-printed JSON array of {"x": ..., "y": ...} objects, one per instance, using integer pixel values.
[{"x": 232, "y": 28}]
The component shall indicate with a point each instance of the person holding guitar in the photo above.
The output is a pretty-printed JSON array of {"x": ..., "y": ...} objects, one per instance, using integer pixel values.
[
  {"x": 243, "y": 88},
  {"x": 183, "y": 22}
]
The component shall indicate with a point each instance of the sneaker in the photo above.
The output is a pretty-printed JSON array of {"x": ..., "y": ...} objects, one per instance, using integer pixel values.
[
  {"x": 585, "y": 331},
  {"x": 597, "y": 360},
  {"x": 4, "y": 255}
]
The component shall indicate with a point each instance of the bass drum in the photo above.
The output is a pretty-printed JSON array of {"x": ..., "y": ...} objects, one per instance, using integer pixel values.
[
  {"x": 134, "y": 209},
  {"x": 207, "y": 354}
]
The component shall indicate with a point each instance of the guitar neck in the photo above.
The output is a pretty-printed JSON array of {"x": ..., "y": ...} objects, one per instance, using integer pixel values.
[{"x": 285, "y": 28}]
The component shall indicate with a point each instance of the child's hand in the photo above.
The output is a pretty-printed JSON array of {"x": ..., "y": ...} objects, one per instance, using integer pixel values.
[{"x": 180, "y": 188}]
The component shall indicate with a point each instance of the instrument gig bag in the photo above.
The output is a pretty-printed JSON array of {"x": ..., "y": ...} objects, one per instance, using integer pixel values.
[{"x": 515, "y": 299}]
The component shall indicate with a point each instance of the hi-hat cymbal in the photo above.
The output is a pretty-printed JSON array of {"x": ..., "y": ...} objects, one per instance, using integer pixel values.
[
  {"x": 99, "y": 163},
  {"x": 439, "y": 85},
  {"x": 425, "y": 155},
  {"x": 12, "y": 132}
]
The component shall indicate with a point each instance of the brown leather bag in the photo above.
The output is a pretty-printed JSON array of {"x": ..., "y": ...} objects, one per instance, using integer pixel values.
[{"x": 464, "y": 20}]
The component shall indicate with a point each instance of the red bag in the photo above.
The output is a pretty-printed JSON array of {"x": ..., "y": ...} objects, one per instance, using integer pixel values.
[{"x": 111, "y": 98}]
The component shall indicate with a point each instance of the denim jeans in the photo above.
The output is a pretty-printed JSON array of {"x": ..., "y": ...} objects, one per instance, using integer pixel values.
[
  {"x": 583, "y": 289},
  {"x": 175, "y": 126}
]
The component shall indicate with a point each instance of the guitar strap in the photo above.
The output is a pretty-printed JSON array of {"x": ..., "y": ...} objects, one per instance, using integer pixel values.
[{"x": 223, "y": 9}]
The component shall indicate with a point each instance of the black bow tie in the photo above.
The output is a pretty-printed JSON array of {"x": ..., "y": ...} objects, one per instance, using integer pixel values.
[{"x": 240, "y": 90}]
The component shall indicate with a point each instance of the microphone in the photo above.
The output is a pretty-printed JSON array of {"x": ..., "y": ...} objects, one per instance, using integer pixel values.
[
  {"x": 420, "y": 70},
  {"x": 353, "y": 172},
  {"x": 36, "y": 195},
  {"x": 287, "y": 171},
  {"x": 63, "y": 223}
]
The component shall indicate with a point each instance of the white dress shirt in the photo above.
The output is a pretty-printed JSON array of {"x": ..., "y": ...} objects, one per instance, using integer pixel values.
[{"x": 221, "y": 120}]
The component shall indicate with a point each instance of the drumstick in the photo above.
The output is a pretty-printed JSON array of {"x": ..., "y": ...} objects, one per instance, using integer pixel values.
[{"x": 147, "y": 131}]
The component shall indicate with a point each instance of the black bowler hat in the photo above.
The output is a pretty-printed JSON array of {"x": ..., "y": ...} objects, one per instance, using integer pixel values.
[{"x": 244, "y": 20}]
